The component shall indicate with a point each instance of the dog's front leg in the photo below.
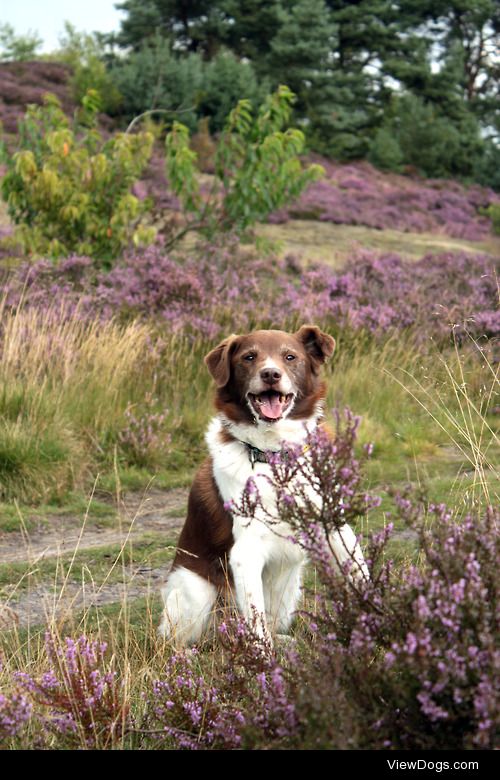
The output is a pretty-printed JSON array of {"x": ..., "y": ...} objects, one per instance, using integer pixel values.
[{"x": 247, "y": 564}]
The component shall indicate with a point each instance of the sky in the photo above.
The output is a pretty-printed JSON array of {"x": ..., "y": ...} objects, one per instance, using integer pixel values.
[{"x": 46, "y": 17}]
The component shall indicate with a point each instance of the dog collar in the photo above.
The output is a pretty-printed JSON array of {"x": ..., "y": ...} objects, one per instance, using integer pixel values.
[
  {"x": 255, "y": 455},
  {"x": 259, "y": 456}
]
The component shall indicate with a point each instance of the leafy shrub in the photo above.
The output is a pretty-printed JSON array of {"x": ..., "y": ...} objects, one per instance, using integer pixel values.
[
  {"x": 430, "y": 139},
  {"x": 385, "y": 152},
  {"x": 68, "y": 190},
  {"x": 257, "y": 168},
  {"x": 226, "y": 80}
]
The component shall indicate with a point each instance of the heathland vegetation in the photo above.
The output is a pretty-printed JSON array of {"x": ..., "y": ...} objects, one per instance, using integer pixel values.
[{"x": 125, "y": 255}]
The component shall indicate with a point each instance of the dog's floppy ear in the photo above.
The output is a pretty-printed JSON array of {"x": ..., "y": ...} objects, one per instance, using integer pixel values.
[
  {"x": 319, "y": 345},
  {"x": 218, "y": 361}
]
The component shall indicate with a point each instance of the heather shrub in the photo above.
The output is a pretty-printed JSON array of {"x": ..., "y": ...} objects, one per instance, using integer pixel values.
[
  {"x": 410, "y": 661},
  {"x": 241, "y": 702},
  {"x": 358, "y": 194},
  {"x": 15, "y": 712},
  {"x": 440, "y": 297},
  {"x": 257, "y": 168},
  {"x": 212, "y": 289},
  {"x": 144, "y": 439},
  {"x": 406, "y": 659},
  {"x": 69, "y": 191},
  {"x": 79, "y": 699},
  {"x": 437, "y": 296}
]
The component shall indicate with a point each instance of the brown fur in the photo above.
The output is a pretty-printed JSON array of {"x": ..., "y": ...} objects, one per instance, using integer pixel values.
[{"x": 207, "y": 535}]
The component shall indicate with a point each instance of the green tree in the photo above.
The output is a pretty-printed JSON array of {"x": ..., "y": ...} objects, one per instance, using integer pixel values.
[
  {"x": 194, "y": 26},
  {"x": 83, "y": 53},
  {"x": 225, "y": 80},
  {"x": 155, "y": 78},
  {"x": 301, "y": 53},
  {"x": 252, "y": 26},
  {"x": 429, "y": 141},
  {"x": 18, "y": 48},
  {"x": 257, "y": 168}
]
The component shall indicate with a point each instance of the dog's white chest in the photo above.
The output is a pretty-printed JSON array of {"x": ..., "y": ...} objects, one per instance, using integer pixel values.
[{"x": 232, "y": 470}]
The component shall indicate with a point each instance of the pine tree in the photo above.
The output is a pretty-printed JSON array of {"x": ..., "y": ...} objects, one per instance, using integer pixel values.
[{"x": 194, "y": 26}]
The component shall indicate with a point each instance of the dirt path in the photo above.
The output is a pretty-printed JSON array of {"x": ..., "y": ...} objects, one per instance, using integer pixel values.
[
  {"x": 64, "y": 535},
  {"x": 61, "y": 534}
]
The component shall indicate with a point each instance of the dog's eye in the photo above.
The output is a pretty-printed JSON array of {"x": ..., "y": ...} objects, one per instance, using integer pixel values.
[
  {"x": 290, "y": 357},
  {"x": 249, "y": 357}
]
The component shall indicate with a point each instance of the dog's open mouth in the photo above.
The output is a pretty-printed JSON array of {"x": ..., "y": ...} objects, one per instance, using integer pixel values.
[{"x": 270, "y": 405}]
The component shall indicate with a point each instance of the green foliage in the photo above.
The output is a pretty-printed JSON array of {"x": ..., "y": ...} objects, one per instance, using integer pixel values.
[
  {"x": 493, "y": 212},
  {"x": 487, "y": 170},
  {"x": 154, "y": 78},
  {"x": 225, "y": 80},
  {"x": 17, "y": 48},
  {"x": 385, "y": 151},
  {"x": 82, "y": 52},
  {"x": 257, "y": 167},
  {"x": 429, "y": 140},
  {"x": 347, "y": 63},
  {"x": 250, "y": 27},
  {"x": 300, "y": 52},
  {"x": 68, "y": 190},
  {"x": 196, "y": 26}
]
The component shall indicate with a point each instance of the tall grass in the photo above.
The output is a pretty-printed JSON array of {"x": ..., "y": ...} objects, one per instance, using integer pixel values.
[
  {"x": 69, "y": 388},
  {"x": 432, "y": 415}
]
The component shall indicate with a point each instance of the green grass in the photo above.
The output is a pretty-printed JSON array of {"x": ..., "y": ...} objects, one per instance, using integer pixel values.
[{"x": 335, "y": 244}]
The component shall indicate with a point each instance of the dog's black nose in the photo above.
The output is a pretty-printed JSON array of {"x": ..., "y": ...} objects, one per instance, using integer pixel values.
[{"x": 270, "y": 375}]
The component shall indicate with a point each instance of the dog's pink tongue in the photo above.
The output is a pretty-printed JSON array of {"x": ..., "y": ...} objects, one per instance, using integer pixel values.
[{"x": 271, "y": 406}]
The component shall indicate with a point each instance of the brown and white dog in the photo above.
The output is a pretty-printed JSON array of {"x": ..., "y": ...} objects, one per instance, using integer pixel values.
[{"x": 269, "y": 392}]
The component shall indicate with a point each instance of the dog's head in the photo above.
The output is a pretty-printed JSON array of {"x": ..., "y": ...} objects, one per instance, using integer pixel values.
[{"x": 267, "y": 375}]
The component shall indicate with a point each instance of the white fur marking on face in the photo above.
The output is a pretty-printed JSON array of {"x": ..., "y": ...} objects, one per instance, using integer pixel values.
[
  {"x": 285, "y": 385},
  {"x": 270, "y": 364}
]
